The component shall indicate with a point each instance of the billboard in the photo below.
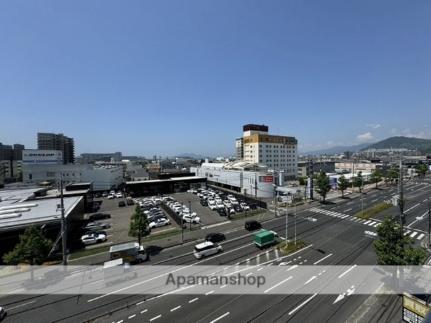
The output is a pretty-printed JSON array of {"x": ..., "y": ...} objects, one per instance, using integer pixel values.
[
  {"x": 415, "y": 310},
  {"x": 38, "y": 156},
  {"x": 266, "y": 179}
]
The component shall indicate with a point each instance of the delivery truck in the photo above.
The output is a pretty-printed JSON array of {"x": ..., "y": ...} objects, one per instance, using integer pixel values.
[
  {"x": 130, "y": 252},
  {"x": 264, "y": 238}
]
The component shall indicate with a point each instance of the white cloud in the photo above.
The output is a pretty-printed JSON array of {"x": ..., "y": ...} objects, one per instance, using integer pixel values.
[
  {"x": 365, "y": 137},
  {"x": 373, "y": 125}
]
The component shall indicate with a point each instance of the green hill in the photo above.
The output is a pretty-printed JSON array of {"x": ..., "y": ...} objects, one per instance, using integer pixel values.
[{"x": 422, "y": 145}]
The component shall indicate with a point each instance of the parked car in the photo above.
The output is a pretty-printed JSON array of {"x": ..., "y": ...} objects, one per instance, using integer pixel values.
[
  {"x": 203, "y": 202},
  {"x": 130, "y": 201},
  {"x": 111, "y": 196},
  {"x": 99, "y": 216},
  {"x": 237, "y": 208},
  {"x": 222, "y": 211},
  {"x": 93, "y": 238},
  {"x": 252, "y": 225},
  {"x": 191, "y": 219},
  {"x": 215, "y": 237},
  {"x": 121, "y": 204},
  {"x": 97, "y": 226},
  {"x": 245, "y": 207},
  {"x": 3, "y": 313},
  {"x": 206, "y": 248},
  {"x": 105, "y": 194},
  {"x": 212, "y": 204},
  {"x": 160, "y": 222},
  {"x": 119, "y": 195}
]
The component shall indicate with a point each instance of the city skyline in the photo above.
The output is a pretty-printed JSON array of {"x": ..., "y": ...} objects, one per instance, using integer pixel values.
[{"x": 169, "y": 79}]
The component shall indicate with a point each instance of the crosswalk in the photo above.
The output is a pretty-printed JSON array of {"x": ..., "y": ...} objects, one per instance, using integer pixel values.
[{"x": 371, "y": 223}]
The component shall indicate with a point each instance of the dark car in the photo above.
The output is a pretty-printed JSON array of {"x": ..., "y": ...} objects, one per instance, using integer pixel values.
[
  {"x": 253, "y": 206},
  {"x": 237, "y": 208},
  {"x": 222, "y": 212},
  {"x": 121, "y": 204},
  {"x": 130, "y": 202},
  {"x": 215, "y": 237},
  {"x": 252, "y": 225},
  {"x": 204, "y": 202},
  {"x": 99, "y": 216}
]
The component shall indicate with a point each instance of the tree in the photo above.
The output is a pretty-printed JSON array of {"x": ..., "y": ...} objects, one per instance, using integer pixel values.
[
  {"x": 358, "y": 181},
  {"x": 302, "y": 180},
  {"x": 139, "y": 224},
  {"x": 394, "y": 248},
  {"x": 391, "y": 175},
  {"x": 343, "y": 184},
  {"x": 32, "y": 248},
  {"x": 322, "y": 185},
  {"x": 422, "y": 169},
  {"x": 376, "y": 176}
]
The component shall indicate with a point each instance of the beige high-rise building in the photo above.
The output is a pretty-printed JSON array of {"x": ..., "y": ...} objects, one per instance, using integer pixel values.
[{"x": 279, "y": 153}]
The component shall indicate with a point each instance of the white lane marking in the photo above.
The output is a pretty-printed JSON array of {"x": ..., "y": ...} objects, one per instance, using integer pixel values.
[
  {"x": 249, "y": 274},
  {"x": 348, "y": 210},
  {"x": 260, "y": 269},
  {"x": 414, "y": 206},
  {"x": 375, "y": 200},
  {"x": 367, "y": 222},
  {"x": 120, "y": 321},
  {"x": 278, "y": 284},
  {"x": 144, "y": 311},
  {"x": 221, "y": 287},
  {"x": 20, "y": 305},
  {"x": 310, "y": 280},
  {"x": 215, "y": 225},
  {"x": 156, "y": 317},
  {"x": 414, "y": 233},
  {"x": 267, "y": 255},
  {"x": 137, "y": 304},
  {"x": 209, "y": 293},
  {"x": 347, "y": 271},
  {"x": 220, "y": 317},
  {"x": 131, "y": 316},
  {"x": 420, "y": 236},
  {"x": 193, "y": 300},
  {"x": 276, "y": 254},
  {"x": 302, "y": 304},
  {"x": 176, "y": 308},
  {"x": 292, "y": 267},
  {"x": 258, "y": 259},
  {"x": 372, "y": 224},
  {"x": 166, "y": 274},
  {"x": 319, "y": 261}
]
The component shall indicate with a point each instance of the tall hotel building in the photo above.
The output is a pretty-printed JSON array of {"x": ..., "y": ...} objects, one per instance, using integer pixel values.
[{"x": 279, "y": 153}]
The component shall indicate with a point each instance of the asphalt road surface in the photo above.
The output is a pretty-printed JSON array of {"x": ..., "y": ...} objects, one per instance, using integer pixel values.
[{"x": 334, "y": 237}]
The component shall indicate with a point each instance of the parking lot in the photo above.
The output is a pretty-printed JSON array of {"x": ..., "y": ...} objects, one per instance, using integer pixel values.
[{"x": 120, "y": 222}]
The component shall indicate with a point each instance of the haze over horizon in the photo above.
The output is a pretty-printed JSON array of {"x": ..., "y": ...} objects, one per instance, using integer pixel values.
[{"x": 167, "y": 78}]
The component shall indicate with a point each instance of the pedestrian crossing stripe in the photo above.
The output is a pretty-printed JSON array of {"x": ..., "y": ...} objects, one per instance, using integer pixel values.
[
  {"x": 420, "y": 236},
  {"x": 413, "y": 234}
]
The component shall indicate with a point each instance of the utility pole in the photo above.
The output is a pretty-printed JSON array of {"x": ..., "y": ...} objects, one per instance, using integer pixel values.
[
  {"x": 429, "y": 225},
  {"x": 287, "y": 224},
  {"x": 190, "y": 210},
  {"x": 401, "y": 196},
  {"x": 63, "y": 224},
  {"x": 295, "y": 223},
  {"x": 310, "y": 176}
]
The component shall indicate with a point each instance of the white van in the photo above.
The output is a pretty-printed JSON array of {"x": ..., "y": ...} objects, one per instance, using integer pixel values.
[{"x": 206, "y": 248}]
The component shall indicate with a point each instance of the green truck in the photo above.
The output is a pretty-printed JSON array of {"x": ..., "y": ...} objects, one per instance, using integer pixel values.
[{"x": 264, "y": 238}]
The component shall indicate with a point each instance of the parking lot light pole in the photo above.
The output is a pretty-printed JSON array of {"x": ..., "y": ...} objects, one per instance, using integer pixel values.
[
  {"x": 190, "y": 210},
  {"x": 295, "y": 223},
  {"x": 287, "y": 223},
  {"x": 429, "y": 225}
]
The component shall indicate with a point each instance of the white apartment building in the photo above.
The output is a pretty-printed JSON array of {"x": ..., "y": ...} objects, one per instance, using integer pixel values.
[{"x": 279, "y": 153}]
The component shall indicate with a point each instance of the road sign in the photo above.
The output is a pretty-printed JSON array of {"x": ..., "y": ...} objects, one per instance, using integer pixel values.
[{"x": 415, "y": 310}]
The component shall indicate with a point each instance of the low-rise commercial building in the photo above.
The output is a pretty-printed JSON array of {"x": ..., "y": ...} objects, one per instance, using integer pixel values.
[
  {"x": 246, "y": 178},
  {"x": 305, "y": 167},
  {"x": 103, "y": 178}
]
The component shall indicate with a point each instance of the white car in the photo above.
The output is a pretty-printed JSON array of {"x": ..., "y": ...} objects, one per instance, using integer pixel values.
[
  {"x": 227, "y": 203},
  {"x": 220, "y": 205},
  {"x": 212, "y": 204},
  {"x": 218, "y": 200},
  {"x": 245, "y": 207},
  {"x": 160, "y": 223},
  {"x": 111, "y": 196},
  {"x": 191, "y": 219},
  {"x": 93, "y": 238},
  {"x": 119, "y": 195},
  {"x": 206, "y": 248}
]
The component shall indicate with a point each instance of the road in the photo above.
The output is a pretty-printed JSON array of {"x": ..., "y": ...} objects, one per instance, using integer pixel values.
[{"x": 335, "y": 238}]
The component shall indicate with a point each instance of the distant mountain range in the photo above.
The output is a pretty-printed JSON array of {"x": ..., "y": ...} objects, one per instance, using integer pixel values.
[
  {"x": 337, "y": 150},
  {"x": 422, "y": 145}
]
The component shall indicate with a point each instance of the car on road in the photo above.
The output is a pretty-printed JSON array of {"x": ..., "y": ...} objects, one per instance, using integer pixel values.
[
  {"x": 111, "y": 196},
  {"x": 119, "y": 195},
  {"x": 191, "y": 219},
  {"x": 252, "y": 225},
  {"x": 105, "y": 194},
  {"x": 121, "y": 204},
  {"x": 215, "y": 237},
  {"x": 99, "y": 216},
  {"x": 3, "y": 313},
  {"x": 206, "y": 248},
  {"x": 93, "y": 238},
  {"x": 160, "y": 222}
]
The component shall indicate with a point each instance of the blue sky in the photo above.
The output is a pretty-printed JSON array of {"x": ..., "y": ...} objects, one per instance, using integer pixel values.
[{"x": 166, "y": 77}]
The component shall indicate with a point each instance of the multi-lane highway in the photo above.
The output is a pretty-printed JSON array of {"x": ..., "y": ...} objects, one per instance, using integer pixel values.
[{"x": 335, "y": 237}]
